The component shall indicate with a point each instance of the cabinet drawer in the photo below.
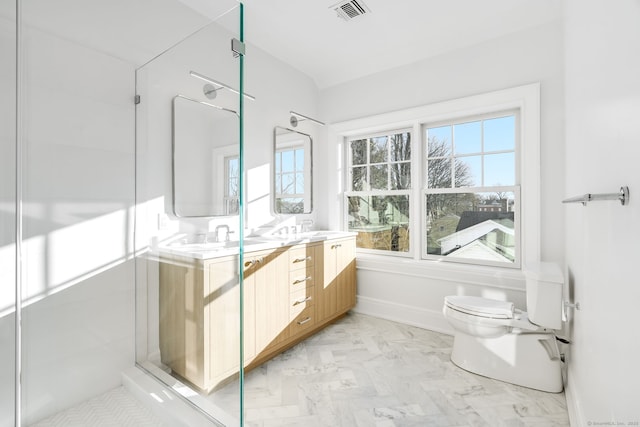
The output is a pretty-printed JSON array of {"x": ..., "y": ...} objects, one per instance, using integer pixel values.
[
  {"x": 300, "y": 300},
  {"x": 300, "y": 279},
  {"x": 303, "y": 321},
  {"x": 301, "y": 257}
]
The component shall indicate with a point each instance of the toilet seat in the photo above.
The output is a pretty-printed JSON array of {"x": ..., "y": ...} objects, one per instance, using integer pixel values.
[{"x": 481, "y": 307}]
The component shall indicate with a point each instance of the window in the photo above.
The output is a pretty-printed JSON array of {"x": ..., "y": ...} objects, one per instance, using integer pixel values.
[
  {"x": 232, "y": 189},
  {"x": 378, "y": 207},
  {"x": 471, "y": 197},
  {"x": 465, "y": 187},
  {"x": 289, "y": 180}
]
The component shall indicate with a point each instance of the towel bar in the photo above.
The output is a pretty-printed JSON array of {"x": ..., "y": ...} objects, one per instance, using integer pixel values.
[{"x": 622, "y": 195}]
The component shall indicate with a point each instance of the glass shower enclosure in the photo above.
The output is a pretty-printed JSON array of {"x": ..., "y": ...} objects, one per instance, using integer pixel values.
[{"x": 189, "y": 216}]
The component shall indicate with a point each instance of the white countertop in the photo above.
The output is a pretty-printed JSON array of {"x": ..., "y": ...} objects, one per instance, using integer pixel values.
[{"x": 181, "y": 246}]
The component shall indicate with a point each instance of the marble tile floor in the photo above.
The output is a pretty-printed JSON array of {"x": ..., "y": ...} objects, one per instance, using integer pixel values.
[{"x": 367, "y": 372}]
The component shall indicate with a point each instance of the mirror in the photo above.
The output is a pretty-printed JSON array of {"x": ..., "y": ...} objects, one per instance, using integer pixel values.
[
  {"x": 292, "y": 172},
  {"x": 205, "y": 161}
]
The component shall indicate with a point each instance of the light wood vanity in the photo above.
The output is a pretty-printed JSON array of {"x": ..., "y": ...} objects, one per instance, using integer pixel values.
[{"x": 290, "y": 292}]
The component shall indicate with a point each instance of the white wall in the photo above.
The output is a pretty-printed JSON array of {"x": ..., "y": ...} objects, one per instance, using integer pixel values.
[
  {"x": 602, "y": 152},
  {"x": 535, "y": 55},
  {"x": 77, "y": 120},
  {"x": 77, "y": 197}
]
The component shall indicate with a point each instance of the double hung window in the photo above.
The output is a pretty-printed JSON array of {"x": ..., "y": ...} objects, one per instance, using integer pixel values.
[
  {"x": 378, "y": 205},
  {"x": 469, "y": 190},
  {"x": 471, "y": 194}
]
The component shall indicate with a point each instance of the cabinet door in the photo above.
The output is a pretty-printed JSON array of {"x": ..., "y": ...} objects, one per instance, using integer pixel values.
[
  {"x": 269, "y": 279},
  {"x": 346, "y": 274},
  {"x": 337, "y": 293},
  {"x": 222, "y": 302},
  {"x": 182, "y": 318},
  {"x": 327, "y": 300}
]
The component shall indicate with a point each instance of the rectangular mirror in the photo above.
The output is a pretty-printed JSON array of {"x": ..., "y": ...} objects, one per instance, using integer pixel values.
[
  {"x": 292, "y": 172},
  {"x": 205, "y": 160}
]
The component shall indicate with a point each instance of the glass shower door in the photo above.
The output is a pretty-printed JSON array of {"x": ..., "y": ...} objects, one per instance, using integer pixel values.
[
  {"x": 8, "y": 108},
  {"x": 188, "y": 228}
]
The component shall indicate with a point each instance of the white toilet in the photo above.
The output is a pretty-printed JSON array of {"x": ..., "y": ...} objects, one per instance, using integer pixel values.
[{"x": 495, "y": 340}]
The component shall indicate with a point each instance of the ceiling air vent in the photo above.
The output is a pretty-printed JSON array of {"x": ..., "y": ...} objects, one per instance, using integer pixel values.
[{"x": 348, "y": 10}]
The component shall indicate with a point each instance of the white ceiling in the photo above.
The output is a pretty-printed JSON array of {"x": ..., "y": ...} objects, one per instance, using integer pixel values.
[{"x": 308, "y": 35}]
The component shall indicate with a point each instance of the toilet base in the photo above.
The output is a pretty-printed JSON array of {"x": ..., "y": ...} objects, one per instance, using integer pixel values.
[{"x": 527, "y": 359}]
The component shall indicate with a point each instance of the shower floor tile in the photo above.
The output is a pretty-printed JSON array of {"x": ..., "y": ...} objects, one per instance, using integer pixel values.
[{"x": 117, "y": 407}]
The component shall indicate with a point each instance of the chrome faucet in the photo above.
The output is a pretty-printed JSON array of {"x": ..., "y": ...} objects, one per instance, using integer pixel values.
[
  {"x": 306, "y": 225},
  {"x": 227, "y": 233}
]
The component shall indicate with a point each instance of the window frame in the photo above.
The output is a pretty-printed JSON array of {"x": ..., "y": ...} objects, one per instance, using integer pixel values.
[
  {"x": 377, "y": 192},
  {"x": 526, "y": 99},
  {"x": 514, "y": 188}
]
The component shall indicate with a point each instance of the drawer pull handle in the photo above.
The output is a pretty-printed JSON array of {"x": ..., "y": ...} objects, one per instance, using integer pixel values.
[
  {"x": 302, "y": 301},
  {"x": 307, "y": 258},
  {"x": 295, "y": 282},
  {"x": 253, "y": 262},
  {"x": 302, "y": 322},
  {"x": 336, "y": 246}
]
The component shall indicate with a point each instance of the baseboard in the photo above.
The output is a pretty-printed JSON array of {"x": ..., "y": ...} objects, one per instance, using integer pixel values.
[
  {"x": 573, "y": 408},
  {"x": 407, "y": 314}
]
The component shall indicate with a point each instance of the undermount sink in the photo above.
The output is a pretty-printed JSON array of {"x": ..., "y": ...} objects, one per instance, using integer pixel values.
[
  {"x": 307, "y": 236},
  {"x": 186, "y": 245},
  {"x": 209, "y": 246},
  {"x": 194, "y": 246},
  {"x": 204, "y": 246}
]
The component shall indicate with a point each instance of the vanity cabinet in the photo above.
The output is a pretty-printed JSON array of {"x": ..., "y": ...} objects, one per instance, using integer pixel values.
[
  {"x": 289, "y": 293},
  {"x": 194, "y": 295}
]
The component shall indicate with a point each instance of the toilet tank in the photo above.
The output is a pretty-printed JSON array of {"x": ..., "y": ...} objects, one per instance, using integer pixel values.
[{"x": 544, "y": 283}]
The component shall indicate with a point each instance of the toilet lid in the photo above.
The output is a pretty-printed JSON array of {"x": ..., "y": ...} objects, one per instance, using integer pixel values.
[{"x": 483, "y": 307}]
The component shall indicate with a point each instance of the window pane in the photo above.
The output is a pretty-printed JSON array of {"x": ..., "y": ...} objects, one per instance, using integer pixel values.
[
  {"x": 378, "y": 147},
  {"x": 300, "y": 160},
  {"x": 287, "y": 161},
  {"x": 476, "y": 226},
  {"x": 439, "y": 173},
  {"x": 500, "y": 134},
  {"x": 278, "y": 166},
  {"x": 499, "y": 169},
  {"x": 400, "y": 176},
  {"x": 234, "y": 166},
  {"x": 233, "y": 187},
  {"x": 439, "y": 141},
  {"x": 467, "y": 138},
  {"x": 290, "y": 205},
  {"x": 299, "y": 183},
  {"x": 468, "y": 171},
  {"x": 287, "y": 183},
  {"x": 358, "y": 178},
  {"x": 401, "y": 147},
  {"x": 359, "y": 152},
  {"x": 382, "y": 222},
  {"x": 379, "y": 177}
]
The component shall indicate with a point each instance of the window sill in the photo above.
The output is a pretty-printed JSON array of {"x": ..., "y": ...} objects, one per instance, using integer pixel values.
[{"x": 496, "y": 277}]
